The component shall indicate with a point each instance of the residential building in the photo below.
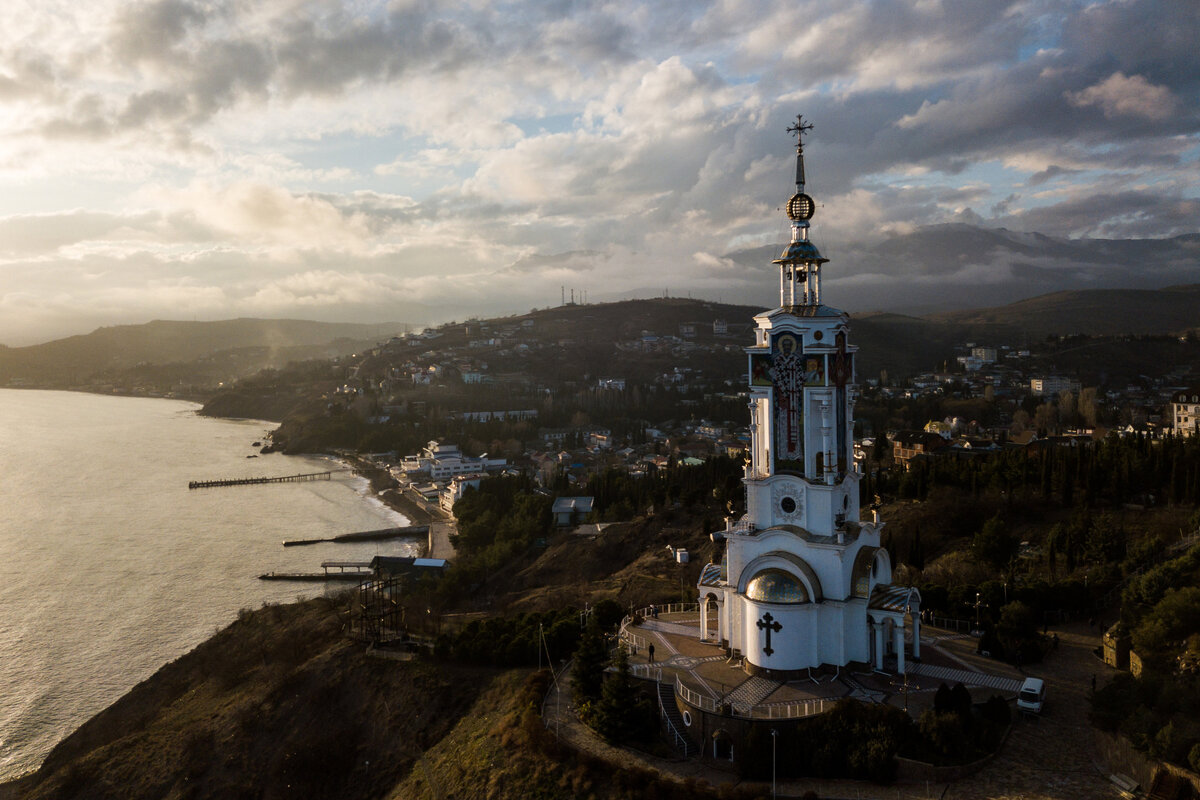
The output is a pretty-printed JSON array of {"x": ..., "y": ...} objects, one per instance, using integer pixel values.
[
  {"x": 907, "y": 445},
  {"x": 570, "y": 511},
  {"x": 1052, "y": 385},
  {"x": 444, "y": 461},
  {"x": 1185, "y": 412},
  {"x": 458, "y": 485}
]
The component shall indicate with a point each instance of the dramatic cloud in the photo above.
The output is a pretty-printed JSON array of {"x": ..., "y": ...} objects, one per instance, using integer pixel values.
[
  {"x": 416, "y": 160},
  {"x": 1118, "y": 95}
]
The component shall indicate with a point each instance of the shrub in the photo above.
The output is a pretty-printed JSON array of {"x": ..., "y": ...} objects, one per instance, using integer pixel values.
[
  {"x": 854, "y": 740},
  {"x": 996, "y": 710},
  {"x": 944, "y": 734}
]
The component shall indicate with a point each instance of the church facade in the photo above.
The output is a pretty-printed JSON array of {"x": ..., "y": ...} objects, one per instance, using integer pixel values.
[{"x": 803, "y": 581}]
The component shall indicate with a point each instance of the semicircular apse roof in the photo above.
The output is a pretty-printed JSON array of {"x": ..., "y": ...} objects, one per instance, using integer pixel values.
[{"x": 776, "y": 586}]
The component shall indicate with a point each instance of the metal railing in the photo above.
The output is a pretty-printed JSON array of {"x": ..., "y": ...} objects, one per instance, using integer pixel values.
[
  {"x": 638, "y": 642},
  {"x": 644, "y": 671},
  {"x": 949, "y": 623},
  {"x": 631, "y": 639},
  {"x": 669, "y": 608},
  {"x": 743, "y": 527},
  {"x": 802, "y": 708},
  {"x": 694, "y": 698},
  {"x": 793, "y": 710},
  {"x": 681, "y": 741}
]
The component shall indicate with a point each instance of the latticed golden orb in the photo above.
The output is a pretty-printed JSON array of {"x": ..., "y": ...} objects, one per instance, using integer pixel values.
[{"x": 801, "y": 206}]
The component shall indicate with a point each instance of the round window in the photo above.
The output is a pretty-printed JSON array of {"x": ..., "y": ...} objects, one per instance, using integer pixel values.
[
  {"x": 788, "y": 504},
  {"x": 687, "y": 719}
]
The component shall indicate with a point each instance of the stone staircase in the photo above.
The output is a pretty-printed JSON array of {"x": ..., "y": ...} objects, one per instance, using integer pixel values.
[
  {"x": 751, "y": 692},
  {"x": 676, "y": 730}
]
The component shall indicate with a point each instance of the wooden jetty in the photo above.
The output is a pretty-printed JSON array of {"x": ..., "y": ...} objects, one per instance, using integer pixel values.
[
  {"x": 345, "y": 571},
  {"x": 365, "y": 536},
  {"x": 308, "y": 476}
]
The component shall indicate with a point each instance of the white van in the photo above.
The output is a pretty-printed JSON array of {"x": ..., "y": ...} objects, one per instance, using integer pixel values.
[{"x": 1032, "y": 696}]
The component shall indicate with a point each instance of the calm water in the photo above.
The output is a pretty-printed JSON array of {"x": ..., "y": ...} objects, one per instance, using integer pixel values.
[{"x": 110, "y": 567}]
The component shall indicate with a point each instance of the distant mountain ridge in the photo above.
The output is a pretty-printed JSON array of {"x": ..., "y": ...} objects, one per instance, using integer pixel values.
[
  {"x": 77, "y": 358},
  {"x": 955, "y": 266},
  {"x": 172, "y": 353},
  {"x": 1103, "y": 312}
]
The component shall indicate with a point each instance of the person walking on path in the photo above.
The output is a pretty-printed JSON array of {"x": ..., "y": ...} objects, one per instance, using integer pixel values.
[{"x": 650, "y": 655}]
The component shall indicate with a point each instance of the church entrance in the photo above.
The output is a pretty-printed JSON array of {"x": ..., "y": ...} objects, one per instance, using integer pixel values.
[{"x": 722, "y": 745}]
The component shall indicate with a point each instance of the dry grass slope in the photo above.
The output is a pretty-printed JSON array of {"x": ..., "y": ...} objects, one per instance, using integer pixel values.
[{"x": 277, "y": 704}]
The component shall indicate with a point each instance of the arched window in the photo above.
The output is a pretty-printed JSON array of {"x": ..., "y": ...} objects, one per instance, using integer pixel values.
[{"x": 864, "y": 572}]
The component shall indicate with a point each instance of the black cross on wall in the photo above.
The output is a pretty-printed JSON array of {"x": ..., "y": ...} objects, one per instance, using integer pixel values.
[{"x": 768, "y": 624}]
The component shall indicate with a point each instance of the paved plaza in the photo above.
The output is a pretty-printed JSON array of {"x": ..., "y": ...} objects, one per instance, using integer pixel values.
[
  {"x": 1051, "y": 757},
  {"x": 703, "y": 667}
]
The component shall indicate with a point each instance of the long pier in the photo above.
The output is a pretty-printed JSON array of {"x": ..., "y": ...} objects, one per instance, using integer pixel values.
[
  {"x": 365, "y": 536},
  {"x": 346, "y": 571},
  {"x": 308, "y": 476}
]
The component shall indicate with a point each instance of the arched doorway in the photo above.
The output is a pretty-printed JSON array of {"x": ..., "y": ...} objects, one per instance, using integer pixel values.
[{"x": 722, "y": 745}]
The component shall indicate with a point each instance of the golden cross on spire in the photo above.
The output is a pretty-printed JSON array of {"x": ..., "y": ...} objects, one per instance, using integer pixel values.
[{"x": 799, "y": 129}]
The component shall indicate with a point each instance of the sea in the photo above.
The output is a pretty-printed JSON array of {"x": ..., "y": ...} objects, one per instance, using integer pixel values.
[{"x": 111, "y": 567}]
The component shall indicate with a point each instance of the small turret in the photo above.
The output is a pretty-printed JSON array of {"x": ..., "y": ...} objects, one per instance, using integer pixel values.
[{"x": 800, "y": 264}]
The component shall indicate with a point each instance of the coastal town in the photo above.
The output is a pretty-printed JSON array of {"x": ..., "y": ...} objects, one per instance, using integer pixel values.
[{"x": 1018, "y": 405}]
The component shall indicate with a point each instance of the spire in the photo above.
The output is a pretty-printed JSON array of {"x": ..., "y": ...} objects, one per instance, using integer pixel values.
[
  {"x": 798, "y": 130},
  {"x": 800, "y": 264}
]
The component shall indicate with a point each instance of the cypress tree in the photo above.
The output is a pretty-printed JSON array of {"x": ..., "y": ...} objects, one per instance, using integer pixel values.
[
  {"x": 623, "y": 714},
  {"x": 591, "y": 659},
  {"x": 916, "y": 553}
]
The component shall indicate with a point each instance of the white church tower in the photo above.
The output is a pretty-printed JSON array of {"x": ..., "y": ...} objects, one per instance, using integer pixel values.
[{"x": 804, "y": 582}]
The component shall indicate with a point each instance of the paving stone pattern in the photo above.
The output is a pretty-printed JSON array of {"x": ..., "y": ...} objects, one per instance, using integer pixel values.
[{"x": 860, "y": 692}]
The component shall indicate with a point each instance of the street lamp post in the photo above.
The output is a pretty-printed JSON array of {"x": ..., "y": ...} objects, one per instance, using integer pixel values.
[{"x": 774, "y": 739}]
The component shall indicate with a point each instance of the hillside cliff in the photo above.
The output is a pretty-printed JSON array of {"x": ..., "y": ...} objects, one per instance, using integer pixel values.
[{"x": 278, "y": 704}]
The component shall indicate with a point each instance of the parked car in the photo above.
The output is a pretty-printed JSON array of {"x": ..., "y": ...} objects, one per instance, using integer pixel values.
[{"x": 1032, "y": 696}]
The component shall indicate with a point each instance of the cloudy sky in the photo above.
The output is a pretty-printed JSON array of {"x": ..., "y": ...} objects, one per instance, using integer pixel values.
[{"x": 359, "y": 160}]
